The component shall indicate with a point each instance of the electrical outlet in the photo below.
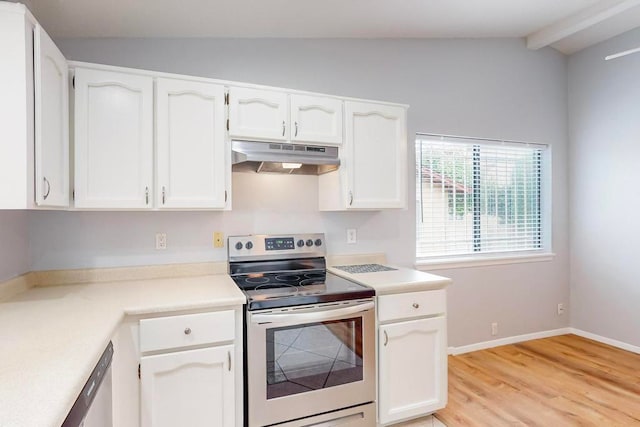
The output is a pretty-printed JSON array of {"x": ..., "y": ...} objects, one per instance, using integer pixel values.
[
  {"x": 218, "y": 239},
  {"x": 494, "y": 328},
  {"x": 161, "y": 241},
  {"x": 352, "y": 236},
  {"x": 560, "y": 309}
]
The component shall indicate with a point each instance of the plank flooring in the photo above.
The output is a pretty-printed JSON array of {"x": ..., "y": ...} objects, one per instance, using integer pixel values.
[{"x": 559, "y": 381}]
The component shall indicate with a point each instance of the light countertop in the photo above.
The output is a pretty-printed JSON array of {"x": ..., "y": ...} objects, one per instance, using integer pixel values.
[
  {"x": 52, "y": 337},
  {"x": 396, "y": 281}
]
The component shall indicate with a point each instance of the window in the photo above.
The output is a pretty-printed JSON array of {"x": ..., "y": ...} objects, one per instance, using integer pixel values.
[{"x": 477, "y": 196}]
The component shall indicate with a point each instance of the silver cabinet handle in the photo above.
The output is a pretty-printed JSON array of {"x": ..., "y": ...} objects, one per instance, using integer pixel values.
[
  {"x": 225, "y": 196},
  {"x": 187, "y": 331},
  {"x": 350, "y": 198},
  {"x": 386, "y": 338},
  {"x": 229, "y": 359},
  {"x": 283, "y": 127},
  {"x": 46, "y": 194},
  {"x": 163, "y": 194},
  {"x": 296, "y": 134},
  {"x": 416, "y": 305},
  {"x": 146, "y": 195}
]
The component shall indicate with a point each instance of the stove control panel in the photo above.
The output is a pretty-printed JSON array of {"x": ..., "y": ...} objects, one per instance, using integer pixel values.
[{"x": 264, "y": 246}]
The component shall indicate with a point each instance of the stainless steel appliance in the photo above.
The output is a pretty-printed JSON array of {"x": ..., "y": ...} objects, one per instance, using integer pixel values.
[
  {"x": 277, "y": 157},
  {"x": 309, "y": 355},
  {"x": 93, "y": 406}
]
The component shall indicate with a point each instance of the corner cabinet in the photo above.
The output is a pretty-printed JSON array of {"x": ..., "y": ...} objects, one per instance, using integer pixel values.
[
  {"x": 34, "y": 169},
  {"x": 373, "y": 173},
  {"x": 182, "y": 383},
  {"x": 190, "y": 144},
  {"x": 51, "y": 122},
  {"x": 412, "y": 357},
  {"x": 113, "y": 140}
]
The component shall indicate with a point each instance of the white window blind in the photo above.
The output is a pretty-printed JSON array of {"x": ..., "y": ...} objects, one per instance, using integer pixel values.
[{"x": 478, "y": 196}]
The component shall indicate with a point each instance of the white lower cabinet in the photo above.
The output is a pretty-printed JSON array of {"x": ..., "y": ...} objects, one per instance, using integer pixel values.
[
  {"x": 412, "y": 358},
  {"x": 188, "y": 388},
  {"x": 190, "y": 371}
]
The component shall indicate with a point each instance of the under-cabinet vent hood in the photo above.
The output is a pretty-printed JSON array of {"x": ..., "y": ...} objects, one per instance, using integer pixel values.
[{"x": 276, "y": 157}]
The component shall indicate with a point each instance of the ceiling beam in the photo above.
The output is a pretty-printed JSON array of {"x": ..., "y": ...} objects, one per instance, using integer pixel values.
[{"x": 588, "y": 17}]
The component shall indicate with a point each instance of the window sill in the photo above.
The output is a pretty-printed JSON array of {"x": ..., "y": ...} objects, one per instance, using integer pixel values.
[{"x": 481, "y": 261}]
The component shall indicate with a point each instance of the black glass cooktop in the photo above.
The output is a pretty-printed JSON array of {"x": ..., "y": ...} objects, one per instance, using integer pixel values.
[{"x": 291, "y": 287}]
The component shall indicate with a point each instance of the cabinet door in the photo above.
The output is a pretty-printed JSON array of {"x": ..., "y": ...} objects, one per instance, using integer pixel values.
[
  {"x": 51, "y": 122},
  {"x": 316, "y": 119},
  {"x": 258, "y": 114},
  {"x": 412, "y": 369},
  {"x": 113, "y": 139},
  {"x": 191, "y": 164},
  {"x": 375, "y": 156},
  {"x": 192, "y": 388}
]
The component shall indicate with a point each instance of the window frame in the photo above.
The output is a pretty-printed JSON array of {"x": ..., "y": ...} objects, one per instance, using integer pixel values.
[{"x": 475, "y": 259}]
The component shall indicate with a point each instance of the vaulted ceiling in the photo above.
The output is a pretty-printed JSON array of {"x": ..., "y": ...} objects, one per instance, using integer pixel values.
[{"x": 567, "y": 25}]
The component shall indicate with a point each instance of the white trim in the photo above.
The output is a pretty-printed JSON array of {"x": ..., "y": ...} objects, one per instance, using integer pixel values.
[
  {"x": 609, "y": 341},
  {"x": 454, "y": 351},
  {"x": 480, "y": 261},
  {"x": 159, "y": 74}
]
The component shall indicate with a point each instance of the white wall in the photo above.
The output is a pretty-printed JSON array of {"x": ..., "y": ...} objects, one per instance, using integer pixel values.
[
  {"x": 604, "y": 101},
  {"x": 487, "y": 88},
  {"x": 14, "y": 249}
]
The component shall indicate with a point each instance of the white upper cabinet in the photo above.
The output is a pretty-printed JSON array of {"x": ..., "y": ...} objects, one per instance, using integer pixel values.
[
  {"x": 113, "y": 140},
  {"x": 190, "y": 144},
  {"x": 373, "y": 173},
  {"x": 316, "y": 119},
  {"x": 375, "y": 154},
  {"x": 34, "y": 152},
  {"x": 258, "y": 114},
  {"x": 51, "y": 122}
]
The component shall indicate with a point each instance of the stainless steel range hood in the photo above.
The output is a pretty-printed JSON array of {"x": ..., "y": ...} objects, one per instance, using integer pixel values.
[{"x": 276, "y": 157}]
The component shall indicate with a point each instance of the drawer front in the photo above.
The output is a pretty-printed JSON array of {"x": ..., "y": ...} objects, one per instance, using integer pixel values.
[
  {"x": 164, "y": 333},
  {"x": 412, "y": 304}
]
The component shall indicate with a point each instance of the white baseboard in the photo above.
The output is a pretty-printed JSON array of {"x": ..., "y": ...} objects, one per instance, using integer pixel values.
[
  {"x": 509, "y": 340},
  {"x": 605, "y": 340}
]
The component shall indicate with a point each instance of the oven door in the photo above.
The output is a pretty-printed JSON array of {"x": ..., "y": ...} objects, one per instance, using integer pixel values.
[{"x": 303, "y": 361}]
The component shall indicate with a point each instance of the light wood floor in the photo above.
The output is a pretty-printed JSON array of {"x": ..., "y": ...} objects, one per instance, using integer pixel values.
[{"x": 560, "y": 381}]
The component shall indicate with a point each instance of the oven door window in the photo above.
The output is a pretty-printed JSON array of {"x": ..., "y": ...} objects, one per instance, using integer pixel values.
[{"x": 313, "y": 356}]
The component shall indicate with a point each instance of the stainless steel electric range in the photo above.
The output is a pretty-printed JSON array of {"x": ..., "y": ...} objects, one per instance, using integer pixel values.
[{"x": 309, "y": 335}]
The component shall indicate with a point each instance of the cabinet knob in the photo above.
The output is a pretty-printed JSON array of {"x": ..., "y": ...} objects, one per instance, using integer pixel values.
[
  {"x": 187, "y": 331},
  {"x": 416, "y": 305}
]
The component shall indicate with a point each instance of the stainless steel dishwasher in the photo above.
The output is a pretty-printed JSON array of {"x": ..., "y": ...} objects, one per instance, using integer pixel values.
[{"x": 93, "y": 407}]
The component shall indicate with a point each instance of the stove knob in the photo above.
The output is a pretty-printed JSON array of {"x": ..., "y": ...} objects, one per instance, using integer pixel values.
[
  {"x": 318, "y": 242},
  {"x": 309, "y": 242},
  {"x": 249, "y": 245},
  {"x": 300, "y": 243},
  {"x": 239, "y": 245}
]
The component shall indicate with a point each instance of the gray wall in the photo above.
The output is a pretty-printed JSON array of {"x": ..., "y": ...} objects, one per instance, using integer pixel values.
[
  {"x": 14, "y": 249},
  {"x": 604, "y": 101},
  {"x": 487, "y": 88}
]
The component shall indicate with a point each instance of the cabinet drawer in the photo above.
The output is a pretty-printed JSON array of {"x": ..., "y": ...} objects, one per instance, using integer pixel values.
[
  {"x": 412, "y": 304},
  {"x": 190, "y": 329}
]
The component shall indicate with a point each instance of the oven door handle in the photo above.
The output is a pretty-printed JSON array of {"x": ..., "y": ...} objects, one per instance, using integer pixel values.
[{"x": 315, "y": 316}]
